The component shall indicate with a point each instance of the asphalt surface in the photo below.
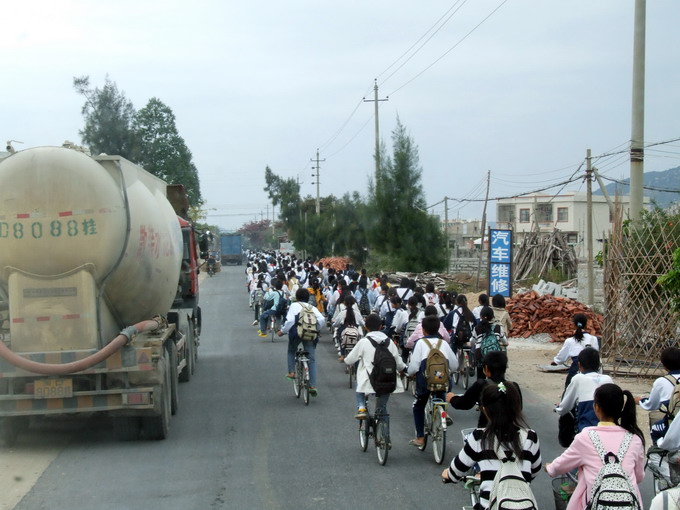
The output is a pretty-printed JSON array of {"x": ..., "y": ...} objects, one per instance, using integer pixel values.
[{"x": 241, "y": 440}]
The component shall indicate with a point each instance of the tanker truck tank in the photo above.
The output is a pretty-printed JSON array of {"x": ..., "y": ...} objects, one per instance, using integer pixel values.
[{"x": 88, "y": 245}]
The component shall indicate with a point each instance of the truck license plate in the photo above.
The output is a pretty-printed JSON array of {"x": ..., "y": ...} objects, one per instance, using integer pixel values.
[{"x": 53, "y": 388}]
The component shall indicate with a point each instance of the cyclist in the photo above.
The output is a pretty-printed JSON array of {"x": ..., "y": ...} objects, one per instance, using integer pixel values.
[
  {"x": 507, "y": 427},
  {"x": 574, "y": 345},
  {"x": 211, "y": 263},
  {"x": 272, "y": 296},
  {"x": 494, "y": 366},
  {"x": 302, "y": 299},
  {"x": 364, "y": 352},
  {"x": 417, "y": 367}
]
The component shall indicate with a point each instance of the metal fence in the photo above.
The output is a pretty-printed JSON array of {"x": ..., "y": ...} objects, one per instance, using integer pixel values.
[{"x": 638, "y": 321}]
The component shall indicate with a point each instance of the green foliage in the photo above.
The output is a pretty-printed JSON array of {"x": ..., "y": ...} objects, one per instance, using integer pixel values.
[
  {"x": 258, "y": 235},
  {"x": 147, "y": 137},
  {"x": 671, "y": 281},
  {"x": 390, "y": 231},
  {"x": 108, "y": 118},
  {"x": 160, "y": 149}
]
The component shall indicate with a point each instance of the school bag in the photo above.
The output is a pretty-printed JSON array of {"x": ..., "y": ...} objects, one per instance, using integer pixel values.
[
  {"x": 307, "y": 323},
  {"x": 268, "y": 304},
  {"x": 364, "y": 304},
  {"x": 383, "y": 377},
  {"x": 349, "y": 337},
  {"x": 489, "y": 343},
  {"x": 463, "y": 331},
  {"x": 510, "y": 490},
  {"x": 671, "y": 410},
  {"x": 258, "y": 297},
  {"x": 612, "y": 488},
  {"x": 436, "y": 367},
  {"x": 409, "y": 328},
  {"x": 282, "y": 306}
]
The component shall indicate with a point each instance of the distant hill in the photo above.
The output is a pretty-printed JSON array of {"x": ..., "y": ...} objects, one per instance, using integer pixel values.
[{"x": 668, "y": 179}]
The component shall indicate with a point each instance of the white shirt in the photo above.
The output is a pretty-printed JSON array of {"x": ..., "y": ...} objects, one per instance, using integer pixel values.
[
  {"x": 339, "y": 318},
  {"x": 581, "y": 389},
  {"x": 573, "y": 347},
  {"x": 421, "y": 352},
  {"x": 662, "y": 389},
  {"x": 364, "y": 352},
  {"x": 294, "y": 311}
]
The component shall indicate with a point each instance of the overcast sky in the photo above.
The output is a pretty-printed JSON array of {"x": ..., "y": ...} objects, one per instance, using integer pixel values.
[{"x": 522, "y": 95}]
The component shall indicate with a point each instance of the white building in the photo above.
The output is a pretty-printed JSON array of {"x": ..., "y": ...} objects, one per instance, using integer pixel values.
[{"x": 567, "y": 213}]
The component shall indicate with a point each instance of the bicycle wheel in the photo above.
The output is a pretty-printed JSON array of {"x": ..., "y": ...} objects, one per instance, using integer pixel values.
[
  {"x": 405, "y": 381},
  {"x": 352, "y": 372},
  {"x": 382, "y": 440},
  {"x": 272, "y": 326},
  {"x": 428, "y": 423},
  {"x": 305, "y": 383},
  {"x": 297, "y": 382},
  {"x": 456, "y": 373},
  {"x": 438, "y": 436},
  {"x": 466, "y": 371},
  {"x": 363, "y": 433}
]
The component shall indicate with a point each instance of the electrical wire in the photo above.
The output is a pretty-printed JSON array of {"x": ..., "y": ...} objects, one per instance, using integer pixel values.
[
  {"x": 450, "y": 49},
  {"x": 651, "y": 188},
  {"x": 353, "y": 136}
]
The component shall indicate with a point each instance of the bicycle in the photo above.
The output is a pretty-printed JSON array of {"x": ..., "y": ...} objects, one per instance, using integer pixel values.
[
  {"x": 375, "y": 426},
  {"x": 435, "y": 427},
  {"x": 465, "y": 367},
  {"x": 472, "y": 482},
  {"x": 274, "y": 323},
  {"x": 301, "y": 381},
  {"x": 664, "y": 468}
]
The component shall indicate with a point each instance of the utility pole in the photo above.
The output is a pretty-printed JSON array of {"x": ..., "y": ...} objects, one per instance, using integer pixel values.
[
  {"x": 637, "y": 151},
  {"x": 589, "y": 228},
  {"x": 377, "y": 125},
  {"x": 317, "y": 168},
  {"x": 446, "y": 233},
  {"x": 481, "y": 244}
]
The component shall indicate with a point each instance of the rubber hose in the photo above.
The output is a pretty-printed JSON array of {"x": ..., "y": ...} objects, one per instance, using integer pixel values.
[{"x": 74, "y": 366}]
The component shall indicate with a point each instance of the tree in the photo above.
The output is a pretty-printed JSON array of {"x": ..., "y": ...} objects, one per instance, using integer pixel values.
[
  {"x": 258, "y": 233},
  {"x": 402, "y": 233},
  {"x": 108, "y": 118},
  {"x": 160, "y": 149}
]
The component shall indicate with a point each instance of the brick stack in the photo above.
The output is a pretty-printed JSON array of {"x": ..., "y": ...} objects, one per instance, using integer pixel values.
[{"x": 532, "y": 314}]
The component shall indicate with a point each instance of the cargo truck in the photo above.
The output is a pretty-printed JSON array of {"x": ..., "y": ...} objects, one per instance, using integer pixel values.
[
  {"x": 232, "y": 251},
  {"x": 98, "y": 292}
]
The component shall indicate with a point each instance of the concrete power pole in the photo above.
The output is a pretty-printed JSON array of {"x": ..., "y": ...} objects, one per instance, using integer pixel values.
[
  {"x": 589, "y": 228},
  {"x": 377, "y": 125},
  {"x": 481, "y": 244},
  {"x": 317, "y": 168},
  {"x": 637, "y": 151},
  {"x": 446, "y": 233}
]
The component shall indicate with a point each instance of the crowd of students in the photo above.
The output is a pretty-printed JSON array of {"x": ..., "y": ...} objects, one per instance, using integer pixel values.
[{"x": 596, "y": 415}]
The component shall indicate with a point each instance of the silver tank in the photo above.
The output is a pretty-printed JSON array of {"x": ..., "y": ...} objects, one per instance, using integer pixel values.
[{"x": 87, "y": 245}]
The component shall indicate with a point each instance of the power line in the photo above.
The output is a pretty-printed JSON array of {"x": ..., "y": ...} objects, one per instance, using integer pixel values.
[
  {"x": 451, "y": 48},
  {"x": 651, "y": 188}
]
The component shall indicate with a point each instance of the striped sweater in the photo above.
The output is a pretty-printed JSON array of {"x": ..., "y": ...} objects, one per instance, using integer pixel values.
[{"x": 473, "y": 453}]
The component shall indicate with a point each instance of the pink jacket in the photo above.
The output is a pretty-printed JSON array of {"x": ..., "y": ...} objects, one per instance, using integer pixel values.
[
  {"x": 418, "y": 334},
  {"x": 582, "y": 455}
]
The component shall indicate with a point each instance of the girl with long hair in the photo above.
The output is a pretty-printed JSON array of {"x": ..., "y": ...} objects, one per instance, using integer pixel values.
[
  {"x": 574, "y": 345},
  {"x": 615, "y": 408},
  {"x": 506, "y": 433}
]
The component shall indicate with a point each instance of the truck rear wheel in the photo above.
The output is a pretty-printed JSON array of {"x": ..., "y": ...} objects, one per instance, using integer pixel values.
[
  {"x": 189, "y": 348},
  {"x": 158, "y": 427},
  {"x": 174, "y": 379}
]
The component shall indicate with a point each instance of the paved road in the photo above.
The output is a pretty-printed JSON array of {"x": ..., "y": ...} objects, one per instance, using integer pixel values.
[{"x": 241, "y": 440}]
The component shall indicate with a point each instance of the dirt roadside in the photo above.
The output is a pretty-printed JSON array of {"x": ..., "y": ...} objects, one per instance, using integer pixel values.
[{"x": 526, "y": 355}]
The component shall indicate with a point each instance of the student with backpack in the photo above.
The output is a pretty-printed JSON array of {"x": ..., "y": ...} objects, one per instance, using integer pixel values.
[
  {"x": 486, "y": 337},
  {"x": 574, "y": 345},
  {"x": 581, "y": 390},
  {"x": 431, "y": 297},
  {"x": 506, "y": 450},
  {"x": 271, "y": 305},
  {"x": 664, "y": 399},
  {"x": 617, "y": 438},
  {"x": 364, "y": 297},
  {"x": 483, "y": 300},
  {"x": 501, "y": 315},
  {"x": 347, "y": 323},
  {"x": 463, "y": 323},
  {"x": 379, "y": 365},
  {"x": 430, "y": 310},
  {"x": 432, "y": 361},
  {"x": 494, "y": 367},
  {"x": 303, "y": 322}
]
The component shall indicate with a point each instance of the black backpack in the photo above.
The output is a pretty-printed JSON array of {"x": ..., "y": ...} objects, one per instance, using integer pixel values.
[
  {"x": 463, "y": 331},
  {"x": 282, "y": 306},
  {"x": 364, "y": 305},
  {"x": 383, "y": 377}
]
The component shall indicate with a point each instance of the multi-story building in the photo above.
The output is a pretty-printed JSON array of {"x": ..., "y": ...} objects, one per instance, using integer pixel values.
[
  {"x": 567, "y": 213},
  {"x": 463, "y": 234}
]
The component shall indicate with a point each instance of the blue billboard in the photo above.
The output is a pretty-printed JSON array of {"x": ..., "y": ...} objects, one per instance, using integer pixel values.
[{"x": 500, "y": 262}]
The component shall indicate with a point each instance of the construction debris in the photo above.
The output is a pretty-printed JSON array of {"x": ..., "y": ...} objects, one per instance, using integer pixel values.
[{"x": 532, "y": 314}]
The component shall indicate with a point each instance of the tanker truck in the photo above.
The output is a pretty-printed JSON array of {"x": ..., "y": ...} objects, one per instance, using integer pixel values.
[{"x": 98, "y": 292}]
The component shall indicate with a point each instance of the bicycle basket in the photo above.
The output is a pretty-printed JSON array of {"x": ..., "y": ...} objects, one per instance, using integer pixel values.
[{"x": 563, "y": 487}]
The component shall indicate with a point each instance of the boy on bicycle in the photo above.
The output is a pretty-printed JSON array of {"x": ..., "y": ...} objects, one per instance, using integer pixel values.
[
  {"x": 364, "y": 353},
  {"x": 417, "y": 366}
]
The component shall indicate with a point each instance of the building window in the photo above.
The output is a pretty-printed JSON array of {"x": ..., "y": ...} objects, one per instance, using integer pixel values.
[
  {"x": 572, "y": 238},
  {"x": 524, "y": 215},
  {"x": 506, "y": 213},
  {"x": 562, "y": 214},
  {"x": 544, "y": 213}
]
